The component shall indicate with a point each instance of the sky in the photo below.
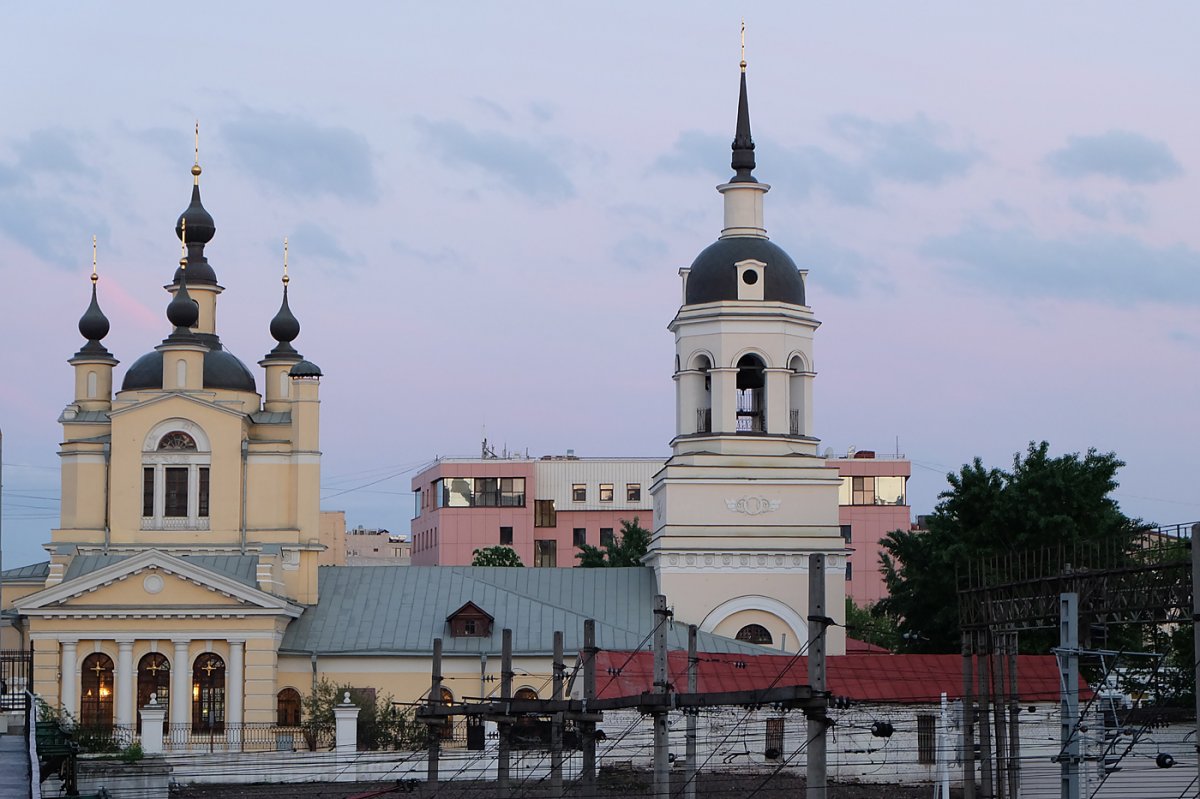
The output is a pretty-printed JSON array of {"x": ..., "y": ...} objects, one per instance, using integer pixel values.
[{"x": 488, "y": 204}]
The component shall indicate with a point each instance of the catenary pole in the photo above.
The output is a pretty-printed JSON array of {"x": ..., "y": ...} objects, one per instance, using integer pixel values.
[
  {"x": 693, "y": 686},
  {"x": 435, "y": 700},
  {"x": 662, "y": 686},
  {"x": 968, "y": 715},
  {"x": 556, "y": 722},
  {"x": 504, "y": 760},
  {"x": 816, "y": 783},
  {"x": 587, "y": 729}
]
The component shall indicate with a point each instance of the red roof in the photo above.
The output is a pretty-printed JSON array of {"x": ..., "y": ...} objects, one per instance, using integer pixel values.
[
  {"x": 857, "y": 647},
  {"x": 910, "y": 679}
]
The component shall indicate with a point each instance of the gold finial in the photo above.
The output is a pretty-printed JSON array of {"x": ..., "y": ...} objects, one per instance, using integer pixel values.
[
  {"x": 285, "y": 274},
  {"x": 95, "y": 277},
  {"x": 183, "y": 244},
  {"x": 196, "y": 165},
  {"x": 743, "y": 44}
]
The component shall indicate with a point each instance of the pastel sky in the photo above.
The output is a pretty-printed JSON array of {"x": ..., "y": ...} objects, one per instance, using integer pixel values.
[{"x": 488, "y": 205}]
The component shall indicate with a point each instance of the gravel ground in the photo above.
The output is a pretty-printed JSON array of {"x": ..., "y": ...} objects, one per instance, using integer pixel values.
[{"x": 613, "y": 783}]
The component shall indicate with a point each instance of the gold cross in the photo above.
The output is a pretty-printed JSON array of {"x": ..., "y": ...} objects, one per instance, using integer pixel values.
[
  {"x": 156, "y": 666},
  {"x": 743, "y": 44},
  {"x": 209, "y": 667},
  {"x": 99, "y": 669}
]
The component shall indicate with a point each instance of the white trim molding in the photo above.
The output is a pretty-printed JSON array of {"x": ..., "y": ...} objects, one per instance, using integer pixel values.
[{"x": 754, "y": 602}]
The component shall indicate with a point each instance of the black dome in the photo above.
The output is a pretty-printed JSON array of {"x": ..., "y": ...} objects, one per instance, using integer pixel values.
[
  {"x": 222, "y": 369},
  {"x": 305, "y": 369},
  {"x": 93, "y": 325},
  {"x": 714, "y": 278}
]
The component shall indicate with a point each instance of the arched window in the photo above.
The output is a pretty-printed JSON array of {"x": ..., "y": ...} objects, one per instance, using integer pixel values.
[
  {"x": 91, "y": 385},
  {"x": 700, "y": 387},
  {"x": 96, "y": 691},
  {"x": 287, "y": 704},
  {"x": 754, "y": 634},
  {"x": 797, "y": 381},
  {"x": 208, "y": 693},
  {"x": 526, "y": 693},
  {"x": 153, "y": 677},
  {"x": 175, "y": 480},
  {"x": 751, "y": 391}
]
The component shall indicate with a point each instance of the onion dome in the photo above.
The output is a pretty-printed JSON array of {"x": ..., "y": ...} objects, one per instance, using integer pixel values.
[
  {"x": 182, "y": 310},
  {"x": 200, "y": 229},
  {"x": 305, "y": 369},
  {"x": 93, "y": 325},
  {"x": 284, "y": 326}
]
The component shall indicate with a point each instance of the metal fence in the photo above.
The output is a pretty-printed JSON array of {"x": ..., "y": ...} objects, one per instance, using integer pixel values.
[
  {"x": 16, "y": 670},
  {"x": 247, "y": 737}
]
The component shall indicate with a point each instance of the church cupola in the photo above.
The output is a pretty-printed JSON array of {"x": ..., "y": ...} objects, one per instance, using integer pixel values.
[
  {"x": 182, "y": 351},
  {"x": 744, "y": 332},
  {"x": 93, "y": 363},
  {"x": 200, "y": 229},
  {"x": 279, "y": 362}
]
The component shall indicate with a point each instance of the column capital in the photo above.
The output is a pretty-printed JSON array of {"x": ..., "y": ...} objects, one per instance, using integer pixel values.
[
  {"x": 68, "y": 643},
  {"x": 124, "y": 643},
  {"x": 181, "y": 642},
  {"x": 236, "y": 641}
]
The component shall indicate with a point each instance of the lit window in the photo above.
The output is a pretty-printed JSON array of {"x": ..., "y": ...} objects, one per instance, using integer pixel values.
[
  {"x": 633, "y": 492},
  {"x": 579, "y": 492},
  {"x": 606, "y": 492}
]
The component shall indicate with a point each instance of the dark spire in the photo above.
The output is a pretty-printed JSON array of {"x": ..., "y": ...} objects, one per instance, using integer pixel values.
[
  {"x": 284, "y": 327},
  {"x": 743, "y": 144},
  {"x": 182, "y": 310},
  {"x": 93, "y": 325},
  {"x": 200, "y": 227}
]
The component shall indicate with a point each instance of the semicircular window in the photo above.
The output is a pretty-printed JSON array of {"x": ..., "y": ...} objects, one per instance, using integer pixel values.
[
  {"x": 754, "y": 634},
  {"x": 177, "y": 440}
]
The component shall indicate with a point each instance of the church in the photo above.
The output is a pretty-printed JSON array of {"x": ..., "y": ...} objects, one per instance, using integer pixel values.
[{"x": 188, "y": 559}]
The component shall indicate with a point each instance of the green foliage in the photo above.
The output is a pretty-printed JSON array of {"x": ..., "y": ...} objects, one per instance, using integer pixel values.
[
  {"x": 867, "y": 624},
  {"x": 381, "y": 725},
  {"x": 496, "y": 556},
  {"x": 132, "y": 753},
  {"x": 628, "y": 551},
  {"x": 1042, "y": 501}
]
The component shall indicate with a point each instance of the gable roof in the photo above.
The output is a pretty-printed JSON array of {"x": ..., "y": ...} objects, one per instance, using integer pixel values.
[
  {"x": 472, "y": 609},
  {"x": 909, "y": 679},
  {"x": 255, "y": 601},
  {"x": 386, "y": 610},
  {"x": 243, "y": 568}
]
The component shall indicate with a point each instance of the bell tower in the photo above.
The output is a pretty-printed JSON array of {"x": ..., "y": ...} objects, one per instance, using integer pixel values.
[{"x": 745, "y": 498}]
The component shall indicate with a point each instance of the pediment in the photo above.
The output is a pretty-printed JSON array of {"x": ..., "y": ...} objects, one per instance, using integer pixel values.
[
  {"x": 153, "y": 583},
  {"x": 175, "y": 398}
]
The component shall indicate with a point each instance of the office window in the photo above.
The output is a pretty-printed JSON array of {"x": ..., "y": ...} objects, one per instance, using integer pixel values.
[
  {"x": 506, "y": 536},
  {"x": 512, "y": 492},
  {"x": 579, "y": 536},
  {"x": 487, "y": 492},
  {"x": 545, "y": 553},
  {"x": 544, "y": 514},
  {"x": 606, "y": 492},
  {"x": 849, "y": 570},
  {"x": 579, "y": 492},
  {"x": 846, "y": 532},
  {"x": 606, "y": 537},
  {"x": 633, "y": 492}
]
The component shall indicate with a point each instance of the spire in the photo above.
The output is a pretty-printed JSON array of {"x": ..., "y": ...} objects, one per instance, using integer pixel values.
[
  {"x": 200, "y": 224},
  {"x": 743, "y": 144},
  {"x": 93, "y": 325},
  {"x": 284, "y": 327},
  {"x": 182, "y": 310}
]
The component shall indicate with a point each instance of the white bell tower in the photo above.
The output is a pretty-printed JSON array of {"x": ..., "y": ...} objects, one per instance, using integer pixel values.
[{"x": 745, "y": 498}]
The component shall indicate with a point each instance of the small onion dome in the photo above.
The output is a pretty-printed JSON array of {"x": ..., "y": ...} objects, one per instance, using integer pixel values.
[
  {"x": 200, "y": 230},
  {"x": 182, "y": 310},
  {"x": 305, "y": 369},
  {"x": 93, "y": 325},
  {"x": 284, "y": 328}
]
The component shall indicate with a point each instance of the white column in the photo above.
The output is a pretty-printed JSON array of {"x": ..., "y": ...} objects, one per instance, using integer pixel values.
[
  {"x": 70, "y": 678},
  {"x": 125, "y": 683},
  {"x": 776, "y": 401},
  {"x": 724, "y": 399},
  {"x": 181, "y": 690},
  {"x": 235, "y": 682}
]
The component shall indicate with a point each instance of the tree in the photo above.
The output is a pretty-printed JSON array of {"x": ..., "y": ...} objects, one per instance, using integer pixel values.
[
  {"x": 629, "y": 551},
  {"x": 866, "y": 624},
  {"x": 380, "y": 724},
  {"x": 496, "y": 556},
  {"x": 1042, "y": 501}
]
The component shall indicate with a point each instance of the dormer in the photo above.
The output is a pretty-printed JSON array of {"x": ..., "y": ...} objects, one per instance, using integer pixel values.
[{"x": 470, "y": 621}]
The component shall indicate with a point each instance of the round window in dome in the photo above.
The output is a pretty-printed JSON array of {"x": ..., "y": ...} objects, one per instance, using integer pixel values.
[{"x": 750, "y": 277}]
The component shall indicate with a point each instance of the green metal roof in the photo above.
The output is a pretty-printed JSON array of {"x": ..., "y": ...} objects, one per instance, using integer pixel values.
[
  {"x": 30, "y": 573},
  {"x": 386, "y": 610},
  {"x": 243, "y": 568}
]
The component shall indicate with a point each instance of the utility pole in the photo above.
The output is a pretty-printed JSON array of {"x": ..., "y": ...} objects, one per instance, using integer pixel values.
[
  {"x": 816, "y": 782},
  {"x": 985, "y": 714},
  {"x": 968, "y": 715},
  {"x": 1068, "y": 672},
  {"x": 1001, "y": 710},
  {"x": 587, "y": 729},
  {"x": 556, "y": 721},
  {"x": 435, "y": 700},
  {"x": 693, "y": 686},
  {"x": 662, "y": 686},
  {"x": 1014, "y": 721},
  {"x": 504, "y": 759}
]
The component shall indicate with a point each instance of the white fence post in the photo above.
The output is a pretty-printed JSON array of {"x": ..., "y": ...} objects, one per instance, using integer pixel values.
[{"x": 152, "y": 726}]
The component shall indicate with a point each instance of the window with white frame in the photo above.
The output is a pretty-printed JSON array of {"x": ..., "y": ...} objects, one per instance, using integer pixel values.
[{"x": 175, "y": 481}]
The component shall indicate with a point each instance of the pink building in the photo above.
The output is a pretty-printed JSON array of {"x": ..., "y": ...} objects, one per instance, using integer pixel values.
[
  {"x": 874, "y": 501},
  {"x": 543, "y": 508}
]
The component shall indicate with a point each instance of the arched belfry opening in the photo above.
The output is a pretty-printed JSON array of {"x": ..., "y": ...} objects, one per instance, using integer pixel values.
[
  {"x": 798, "y": 406},
  {"x": 751, "y": 394},
  {"x": 701, "y": 390}
]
